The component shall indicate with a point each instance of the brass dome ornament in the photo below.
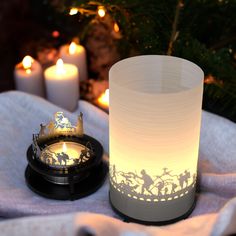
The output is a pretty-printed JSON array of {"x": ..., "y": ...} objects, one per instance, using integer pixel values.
[{"x": 63, "y": 162}]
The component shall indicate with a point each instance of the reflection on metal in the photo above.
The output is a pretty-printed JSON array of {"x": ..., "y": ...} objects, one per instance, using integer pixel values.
[
  {"x": 142, "y": 186},
  {"x": 61, "y": 126}
]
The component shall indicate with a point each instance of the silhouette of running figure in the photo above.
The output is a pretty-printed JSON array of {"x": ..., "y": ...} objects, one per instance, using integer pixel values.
[{"x": 147, "y": 182}]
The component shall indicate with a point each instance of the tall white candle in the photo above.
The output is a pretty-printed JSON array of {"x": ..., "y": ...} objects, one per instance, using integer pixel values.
[
  {"x": 75, "y": 54},
  {"x": 29, "y": 76},
  {"x": 62, "y": 85}
]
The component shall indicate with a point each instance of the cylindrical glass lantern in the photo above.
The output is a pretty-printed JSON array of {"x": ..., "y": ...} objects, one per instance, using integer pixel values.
[{"x": 155, "y": 116}]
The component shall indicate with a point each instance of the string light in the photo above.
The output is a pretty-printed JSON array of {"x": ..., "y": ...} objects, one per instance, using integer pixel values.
[
  {"x": 55, "y": 34},
  {"x": 101, "y": 11},
  {"x": 73, "y": 11},
  {"x": 116, "y": 27}
]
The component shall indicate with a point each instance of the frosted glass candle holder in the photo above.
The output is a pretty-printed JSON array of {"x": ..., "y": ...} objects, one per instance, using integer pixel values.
[{"x": 155, "y": 116}]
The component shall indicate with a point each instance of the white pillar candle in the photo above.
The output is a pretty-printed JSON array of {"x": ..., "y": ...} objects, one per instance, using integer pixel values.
[
  {"x": 75, "y": 54},
  {"x": 62, "y": 85},
  {"x": 29, "y": 76}
]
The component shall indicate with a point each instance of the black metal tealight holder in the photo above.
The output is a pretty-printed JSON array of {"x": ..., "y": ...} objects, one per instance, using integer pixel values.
[{"x": 63, "y": 162}]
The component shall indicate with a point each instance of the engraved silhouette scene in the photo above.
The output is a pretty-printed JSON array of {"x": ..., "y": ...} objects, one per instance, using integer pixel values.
[
  {"x": 61, "y": 126},
  {"x": 61, "y": 154},
  {"x": 80, "y": 154},
  {"x": 142, "y": 186}
]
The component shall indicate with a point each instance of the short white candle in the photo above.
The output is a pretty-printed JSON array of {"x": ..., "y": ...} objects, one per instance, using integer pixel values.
[
  {"x": 62, "y": 85},
  {"x": 75, "y": 54},
  {"x": 29, "y": 76}
]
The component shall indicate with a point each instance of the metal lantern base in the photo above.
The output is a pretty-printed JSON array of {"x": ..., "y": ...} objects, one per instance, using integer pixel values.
[
  {"x": 67, "y": 183},
  {"x": 152, "y": 213},
  {"x": 86, "y": 186}
]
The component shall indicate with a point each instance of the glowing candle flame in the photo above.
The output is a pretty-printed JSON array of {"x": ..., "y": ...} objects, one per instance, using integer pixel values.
[
  {"x": 73, "y": 11},
  {"x": 116, "y": 27},
  {"x": 104, "y": 99},
  {"x": 64, "y": 148},
  {"x": 60, "y": 67},
  {"x": 101, "y": 11},
  {"x": 27, "y": 64},
  {"x": 72, "y": 48}
]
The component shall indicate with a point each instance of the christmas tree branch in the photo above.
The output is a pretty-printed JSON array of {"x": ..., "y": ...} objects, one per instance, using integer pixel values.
[
  {"x": 174, "y": 33},
  {"x": 223, "y": 43}
]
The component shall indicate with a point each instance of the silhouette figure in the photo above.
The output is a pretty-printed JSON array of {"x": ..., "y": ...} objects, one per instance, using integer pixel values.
[
  {"x": 166, "y": 190},
  {"x": 174, "y": 186},
  {"x": 181, "y": 180},
  {"x": 186, "y": 177},
  {"x": 62, "y": 157},
  {"x": 86, "y": 153},
  {"x": 47, "y": 157},
  {"x": 142, "y": 186},
  {"x": 61, "y": 121},
  {"x": 147, "y": 182},
  {"x": 160, "y": 186}
]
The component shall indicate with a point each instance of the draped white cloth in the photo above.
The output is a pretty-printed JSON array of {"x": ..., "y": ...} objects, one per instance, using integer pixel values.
[{"x": 20, "y": 116}]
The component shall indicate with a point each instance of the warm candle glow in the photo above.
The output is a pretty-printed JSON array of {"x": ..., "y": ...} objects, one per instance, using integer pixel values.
[
  {"x": 116, "y": 27},
  {"x": 60, "y": 67},
  {"x": 101, "y": 11},
  {"x": 64, "y": 148},
  {"x": 103, "y": 100},
  {"x": 66, "y": 154},
  {"x": 27, "y": 63},
  {"x": 73, "y": 11},
  {"x": 154, "y": 125},
  {"x": 72, "y": 48}
]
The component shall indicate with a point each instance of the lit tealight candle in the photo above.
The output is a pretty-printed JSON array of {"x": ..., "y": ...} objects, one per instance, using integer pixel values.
[
  {"x": 75, "y": 54},
  {"x": 62, "y": 85},
  {"x": 29, "y": 76},
  {"x": 103, "y": 100},
  {"x": 61, "y": 155}
]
